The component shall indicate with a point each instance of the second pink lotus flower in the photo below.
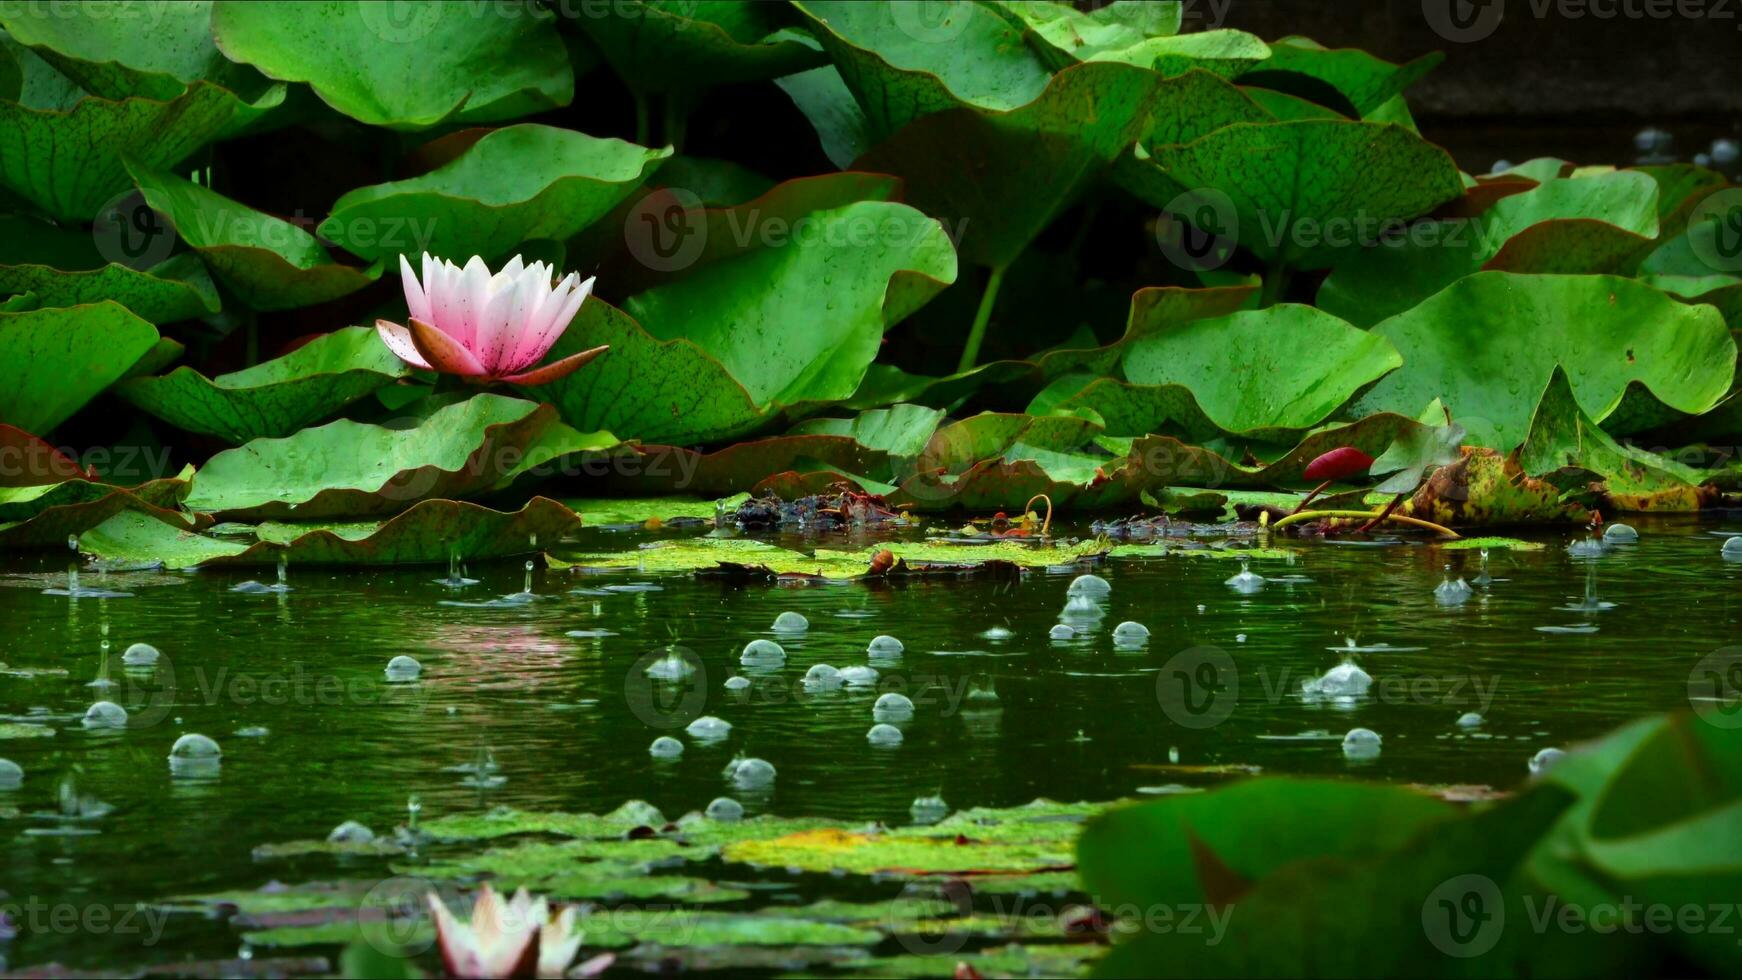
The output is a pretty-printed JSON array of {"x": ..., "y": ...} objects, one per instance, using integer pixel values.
[{"x": 484, "y": 327}]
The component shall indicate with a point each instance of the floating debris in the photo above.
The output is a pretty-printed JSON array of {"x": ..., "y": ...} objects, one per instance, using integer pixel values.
[
  {"x": 1361, "y": 744},
  {"x": 749, "y": 773},
  {"x": 403, "y": 669},
  {"x": 1247, "y": 581},
  {"x": 791, "y": 622},
  {"x": 892, "y": 707},
  {"x": 665, "y": 747},
  {"x": 708, "y": 728},
  {"x": 883, "y": 735},
  {"x": 105, "y": 714},
  {"x": 1545, "y": 760},
  {"x": 840, "y": 507},
  {"x": 884, "y": 646},
  {"x": 141, "y": 655},
  {"x": 724, "y": 809}
]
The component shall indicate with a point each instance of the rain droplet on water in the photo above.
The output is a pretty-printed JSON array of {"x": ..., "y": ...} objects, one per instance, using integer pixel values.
[
  {"x": 892, "y": 707},
  {"x": 997, "y": 633},
  {"x": 673, "y": 666},
  {"x": 1089, "y": 585},
  {"x": 1062, "y": 632},
  {"x": 763, "y": 653},
  {"x": 882, "y": 734},
  {"x": 665, "y": 747},
  {"x": 1450, "y": 591},
  {"x": 1469, "y": 719},
  {"x": 822, "y": 676},
  {"x": 1131, "y": 633},
  {"x": 791, "y": 622},
  {"x": 1247, "y": 581},
  {"x": 403, "y": 669},
  {"x": 708, "y": 727},
  {"x": 859, "y": 676},
  {"x": 194, "y": 746},
  {"x": 140, "y": 655},
  {"x": 736, "y": 683},
  {"x": 1345, "y": 680},
  {"x": 105, "y": 714}
]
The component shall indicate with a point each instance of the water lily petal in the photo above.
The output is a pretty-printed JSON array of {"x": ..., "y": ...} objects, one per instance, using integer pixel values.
[
  {"x": 556, "y": 370},
  {"x": 398, "y": 340},
  {"x": 416, "y": 300},
  {"x": 443, "y": 353},
  {"x": 552, "y": 319},
  {"x": 498, "y": 331},
  {"x": 471, "y": 287}
]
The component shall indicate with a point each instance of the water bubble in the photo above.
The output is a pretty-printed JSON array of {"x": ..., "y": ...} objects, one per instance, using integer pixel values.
[
  {"x": 736, "y": 683},
  {"x": 1246, "y": 582},
  {"x": 350, "y": 832},
  {"x": 1082, "y": 607},
  {"x": 725, "y": 809},
  {"x": 1620, "y": 534},
  {"x": 1725, "y": 151},
  {"x": 791, "y": 622},
  {"x": 140, "y": 655},
  {"x": 1089, "y": 585},
  {"x": 673, "y": 666},
  {"x": 403, "y": 669},
  {"x": 1062, "y": 632},
  {"x": 1470, "y": 719},
  {"x": 928, "y": 809},
  {"x": 1345, "y": 680},
  {"x": 709, "y": 728},
  {"x": 892, "y": 707},
  {"x": 1545, "y": 760},
  {"x": 1500, "y": 166},
  {"x": 982, "y": 690},
  {"x": 822, "y": 676},
  {"x": 763, "y": 653},
  {"x": 884, "y": 646},
  {"x": 105, "y": 714},
  {"x": 665, "y": 747},
  {"x": 1732, "y": 550},
  {"x": 997, "y": 633},
  {"x": 253, "y": 731},
  {"x": 882, "y": 734},
  {"x": 1239, "y": 637},
  {"x": 194, "y": 746},
  {"x": 1361, "y": 744},
  {"x": 750, "y": 773},
  {"x": 11, "y": 774},
  {"x": 859, "y": 676},
  {"x": 1131, "y": 633},
  {"x": 1452, "y": 592}
]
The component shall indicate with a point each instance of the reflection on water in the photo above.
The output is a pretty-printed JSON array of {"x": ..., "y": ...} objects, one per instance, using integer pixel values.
[{"x": 289, "y": 725}]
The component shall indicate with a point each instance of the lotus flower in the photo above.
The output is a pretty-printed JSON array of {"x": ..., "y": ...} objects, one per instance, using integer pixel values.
[
  {"x": 487, "y": 327},
  {"x": 512, "y": 938}
]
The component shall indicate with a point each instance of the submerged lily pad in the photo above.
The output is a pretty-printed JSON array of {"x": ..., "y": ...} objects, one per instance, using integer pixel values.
[
  {"x": 53, "y": 361},
  {"x": 515, "y": 184},
  {"x": 274, "y": 398}
]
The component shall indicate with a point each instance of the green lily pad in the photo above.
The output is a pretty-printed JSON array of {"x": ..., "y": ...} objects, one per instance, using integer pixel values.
[
  {"x": 515, "y": 184},
  {"x": 1575, "y": 225},
  {"x": 639, "y": 510},
  {"x": 1167, "y": 461},
  {"x": 442, "y": 64},
  {"x": 53, "y": 361},
  {"x": 1365, "y": 82},
  {"x": 429, "y": 533},
  {"x": 353, "y": 469},
  {"x": 1563, "y": 437},
  {"x": 25, "y": 503},
  {"x": 62, "y": 267},
  {"x": 1301, "y": 192},
  {"x": 508, "y": 822},
  {"x": 70, "y": 162},
  {"x": 1144, "y": 35},
  {"x": 878, "y": 853},
  {"x": 734, "y": 468},
  {"x": 1487, "y": 345},
  {"x": 269, "y": 262},
  {"x": 899, "y": 430},
  {"x": 34, "y": 462},
  {"x": 10, "y": 730},
  {"x": 716, "y": 43},
  {"x": 274, "y": 398}
]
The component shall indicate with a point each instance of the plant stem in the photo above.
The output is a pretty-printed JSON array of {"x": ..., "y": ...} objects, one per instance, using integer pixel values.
[
  {"x": 982, "y": 316},
  {"x": 1313, "y": 515},
  {"x": 643, "y": 119},
  {"x": 1275, "y": 283},
  {"x": 677, "y": 118}
]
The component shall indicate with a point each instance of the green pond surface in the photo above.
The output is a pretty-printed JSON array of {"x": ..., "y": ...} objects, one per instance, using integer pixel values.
[{"x": 292, "y": 686}]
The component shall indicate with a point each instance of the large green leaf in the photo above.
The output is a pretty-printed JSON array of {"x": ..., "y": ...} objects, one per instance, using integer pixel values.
[
  {"x": 1487, "y": 345},
  {"x": 352, "y": 469},
  {"x": 445, "y": 63},
  {"x": 515, "y": 184},
  {"x": 800, "y": 320},
  {"x": 53, "y": 361},
  {"x": 1142, "y": 34},
  {"x": 62, "y": 267},
  {"x": 277, "y": 397},
  {"x": 1366, "y": 82},
  {"x": 430, "y": 532},
  {"x": 70, "y": 161},
  {"x": 1589, "y": 224},
  {"x": 1563, "y": 438},
  {"x": 717, "y": 42},
  {"x": 45, "y": 516},
  {"x": 1262, "y": 374},
  {"x": 899, "y": 430},
  {"x": 1309, "y": 192},
  {"x": 269, "y": 262}
]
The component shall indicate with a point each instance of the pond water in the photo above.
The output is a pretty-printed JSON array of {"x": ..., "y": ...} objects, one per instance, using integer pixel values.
[{"x": 293, "y": 687}]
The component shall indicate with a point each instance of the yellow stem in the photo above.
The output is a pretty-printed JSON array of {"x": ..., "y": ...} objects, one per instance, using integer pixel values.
[
  {"x": 1045, "y": 525},
  {"x": 1311, "y": 515}
]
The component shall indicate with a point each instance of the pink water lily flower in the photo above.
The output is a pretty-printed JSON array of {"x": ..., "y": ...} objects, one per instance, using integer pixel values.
[
  {"x": 509, "y": 938},
  {"x": 485, "y": 327}
]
